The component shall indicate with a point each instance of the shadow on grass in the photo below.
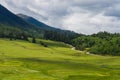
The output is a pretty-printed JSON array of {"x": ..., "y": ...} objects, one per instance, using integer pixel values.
[{"x": 63, "y": 63}]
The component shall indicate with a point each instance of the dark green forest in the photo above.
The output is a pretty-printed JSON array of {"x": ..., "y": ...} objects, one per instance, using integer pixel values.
[{"x": 102, "y": 43}]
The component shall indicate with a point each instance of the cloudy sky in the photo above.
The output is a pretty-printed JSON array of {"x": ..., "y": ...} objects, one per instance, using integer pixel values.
[{"x": 82, "y": 16}]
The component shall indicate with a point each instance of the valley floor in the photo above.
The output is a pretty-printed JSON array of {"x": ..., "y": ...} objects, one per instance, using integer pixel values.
[{"x": 21, "y": 60}]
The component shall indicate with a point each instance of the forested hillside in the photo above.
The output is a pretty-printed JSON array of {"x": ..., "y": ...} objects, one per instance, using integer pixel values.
[{"x": 103, "y": 43}]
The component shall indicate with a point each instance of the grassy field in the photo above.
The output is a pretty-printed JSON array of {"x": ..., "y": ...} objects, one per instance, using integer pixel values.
[{"x": 20, "y": 60}]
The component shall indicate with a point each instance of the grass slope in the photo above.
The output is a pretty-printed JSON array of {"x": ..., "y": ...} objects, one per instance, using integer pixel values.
[{"x": 20, "y": 60}]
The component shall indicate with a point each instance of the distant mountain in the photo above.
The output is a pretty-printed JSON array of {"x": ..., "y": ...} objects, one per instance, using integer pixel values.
[{"x": 36, "y": 22}]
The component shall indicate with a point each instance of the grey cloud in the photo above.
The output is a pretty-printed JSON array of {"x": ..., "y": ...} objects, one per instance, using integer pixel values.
[{"x": 113, "y": 11}]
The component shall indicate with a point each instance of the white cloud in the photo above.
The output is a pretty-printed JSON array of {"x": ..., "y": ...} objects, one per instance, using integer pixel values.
[{"x": 83, "y": 16}]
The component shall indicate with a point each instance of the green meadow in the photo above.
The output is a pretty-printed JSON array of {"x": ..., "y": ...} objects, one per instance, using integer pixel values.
[{"x": 22, "y": 60}]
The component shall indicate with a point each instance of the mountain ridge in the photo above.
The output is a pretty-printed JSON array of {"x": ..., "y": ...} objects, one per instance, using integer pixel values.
[{"x": 36, "y": 22}]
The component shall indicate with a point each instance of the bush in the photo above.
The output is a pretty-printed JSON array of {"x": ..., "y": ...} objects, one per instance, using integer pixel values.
[{"x": 43, "y": 44}]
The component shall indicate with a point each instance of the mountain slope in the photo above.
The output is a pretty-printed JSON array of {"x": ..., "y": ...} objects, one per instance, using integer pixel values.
[
  {"x": 8, "y": 18},
  {"x": 36, "y": 22}
]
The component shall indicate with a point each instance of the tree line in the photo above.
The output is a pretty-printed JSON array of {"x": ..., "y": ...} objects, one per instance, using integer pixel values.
[{"x": 57, "y": 35}]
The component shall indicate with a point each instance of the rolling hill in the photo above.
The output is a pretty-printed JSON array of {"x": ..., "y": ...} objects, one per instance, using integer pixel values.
[{"x": 55, "y": 62}]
